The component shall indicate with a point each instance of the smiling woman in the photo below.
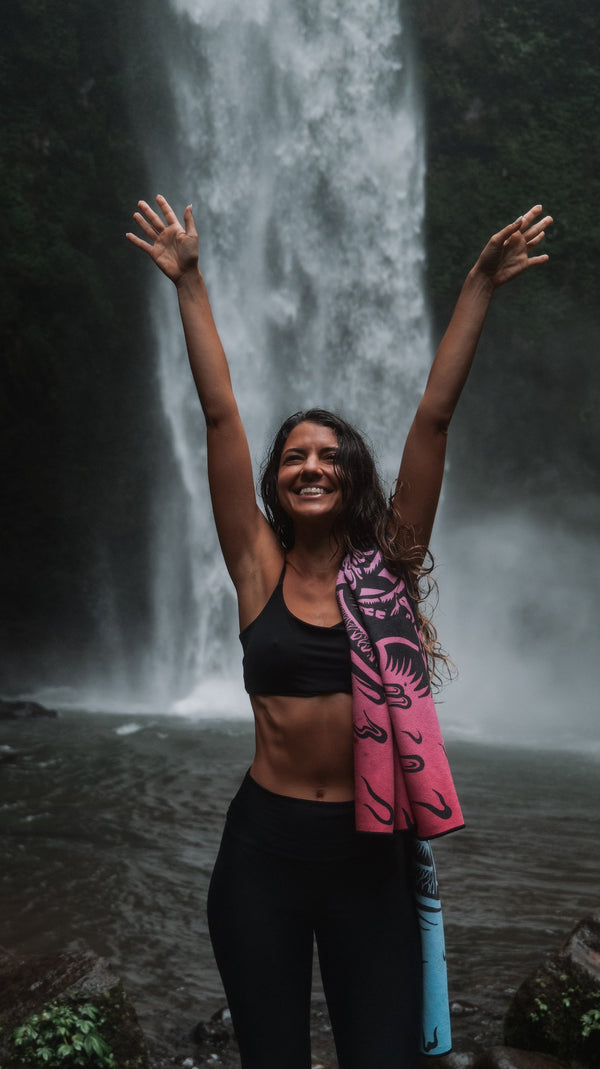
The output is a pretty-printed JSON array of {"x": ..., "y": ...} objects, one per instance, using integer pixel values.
[
  {"x": 363, "y": 509},
  {"x": 307, "y": 470},
  {"x": 346, "y": 735}
]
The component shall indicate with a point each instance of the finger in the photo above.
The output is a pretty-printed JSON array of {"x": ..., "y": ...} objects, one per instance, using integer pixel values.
[
  {"x": 150, "y": 216},
  {"x": 538, "y": 259},
  {"x": 538, "y": 227},
  {"x": 530, "y": 215},
  {"x": 167, "y": 210},
  {"x": 535, "y": 240},
  {"x": 188, "y": 221},
  {"x": 141, "y": 244},
  {"x": 150, "y": 230},
  {"x": 507, "y": 232}
]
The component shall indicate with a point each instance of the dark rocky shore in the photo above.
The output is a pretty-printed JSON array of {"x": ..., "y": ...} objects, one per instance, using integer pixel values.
[
  {"x": 552, "y": 1020},
  {"x": 24, "y": 710}
]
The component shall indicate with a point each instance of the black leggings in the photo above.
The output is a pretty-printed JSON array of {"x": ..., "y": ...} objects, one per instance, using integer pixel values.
[{"x": 288, "y": 868}]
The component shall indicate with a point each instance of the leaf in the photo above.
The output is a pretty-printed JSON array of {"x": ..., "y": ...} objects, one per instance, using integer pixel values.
[{"x": 97, "y": 1045}]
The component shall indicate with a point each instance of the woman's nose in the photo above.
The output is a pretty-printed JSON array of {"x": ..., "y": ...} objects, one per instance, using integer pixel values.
[{"x": 312, "y": 465}]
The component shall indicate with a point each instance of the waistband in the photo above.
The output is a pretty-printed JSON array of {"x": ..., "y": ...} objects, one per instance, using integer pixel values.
[{"x": 299, "y": 828}]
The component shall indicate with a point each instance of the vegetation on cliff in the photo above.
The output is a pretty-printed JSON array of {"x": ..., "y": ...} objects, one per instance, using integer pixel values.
[
  {"x": 76, "y": 347},
  {"x": 511, "y": 91}
]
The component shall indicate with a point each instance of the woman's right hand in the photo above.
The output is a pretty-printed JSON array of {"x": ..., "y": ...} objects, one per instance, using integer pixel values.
[{"x": 173, "y": 247}]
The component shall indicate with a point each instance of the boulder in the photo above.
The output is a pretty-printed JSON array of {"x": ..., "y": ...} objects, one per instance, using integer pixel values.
[
  {"x": 454, "y": 1059},
  {"x": 24, "y": 710},
  {"x": 493, "y": 1058},
  {"x": 510, "y": 1058},
  {"x": 27, "y": 984},
  {"x": 556, "y": 1010},
  {"x": 215, "y": 1033}
]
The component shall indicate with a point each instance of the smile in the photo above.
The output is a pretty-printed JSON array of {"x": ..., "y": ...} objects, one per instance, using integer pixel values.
[{"x": 309, "y": 491}]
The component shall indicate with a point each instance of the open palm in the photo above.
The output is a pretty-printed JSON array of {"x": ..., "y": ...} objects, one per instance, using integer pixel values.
[
  {"x": 173, "y": 247},
  {"x": 507, "y": 253}
]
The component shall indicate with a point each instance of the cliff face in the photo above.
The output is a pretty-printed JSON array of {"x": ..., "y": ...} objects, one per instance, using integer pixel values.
[
  {"x": 77, "y": 352},
  {"x": 511, "y": 93}
]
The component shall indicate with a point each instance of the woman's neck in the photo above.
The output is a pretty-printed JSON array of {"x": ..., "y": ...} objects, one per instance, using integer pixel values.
[{"x": 312, "y": 557}]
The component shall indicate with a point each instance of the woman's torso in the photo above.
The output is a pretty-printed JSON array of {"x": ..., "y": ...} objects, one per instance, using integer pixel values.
[{"x": 297, "y": 644}]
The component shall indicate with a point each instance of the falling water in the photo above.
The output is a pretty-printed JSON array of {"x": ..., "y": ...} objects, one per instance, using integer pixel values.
[
  {"x": 298, "y": 138},
  {"x": 299, "y": 143}
]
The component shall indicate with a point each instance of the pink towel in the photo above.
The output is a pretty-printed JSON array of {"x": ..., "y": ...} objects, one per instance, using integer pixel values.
[{"x": 402, "y": 777}]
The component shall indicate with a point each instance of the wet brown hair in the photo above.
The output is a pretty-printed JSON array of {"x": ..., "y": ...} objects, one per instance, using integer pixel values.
[{"x": 367, "y": 517}]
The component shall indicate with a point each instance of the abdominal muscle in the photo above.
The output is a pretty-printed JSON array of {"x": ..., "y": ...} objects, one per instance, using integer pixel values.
[{"x": 304, "y": 746}]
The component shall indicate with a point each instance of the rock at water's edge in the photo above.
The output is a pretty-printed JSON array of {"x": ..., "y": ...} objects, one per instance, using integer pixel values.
[
  {"x": 24, "y": 710},
  {"x": 557, "y": 1009},
  {"x": 493, "y": 1058},
  {"x": 510, "y": 1058},
  {"x": 27, "y": 984}
]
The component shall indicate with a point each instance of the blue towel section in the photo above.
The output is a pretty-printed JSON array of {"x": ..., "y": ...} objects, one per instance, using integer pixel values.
[{"x": 436, "y": 1036}]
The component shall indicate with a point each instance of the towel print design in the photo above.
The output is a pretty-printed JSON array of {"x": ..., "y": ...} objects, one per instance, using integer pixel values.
[
  {"x": 402, "y": 777},
  {"x": 436, "y": 1036}
]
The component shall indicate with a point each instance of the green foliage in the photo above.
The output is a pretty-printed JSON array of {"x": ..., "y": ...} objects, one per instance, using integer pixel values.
[
  {"x": 511, "y": 94},
  {"x": 590, "y": 1022},
  {"x": 567, "y": 997},
  {"x": 62, "y": 1036},
  {"x": 542, "y": 1008},
  {"x": 564, "y": 1021}
]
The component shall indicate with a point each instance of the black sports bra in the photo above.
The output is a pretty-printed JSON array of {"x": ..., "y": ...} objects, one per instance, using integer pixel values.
[{"x": 287, "y": 656}]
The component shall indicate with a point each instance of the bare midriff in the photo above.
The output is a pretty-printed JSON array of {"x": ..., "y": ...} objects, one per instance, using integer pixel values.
[{"x": 304, "y": 746}]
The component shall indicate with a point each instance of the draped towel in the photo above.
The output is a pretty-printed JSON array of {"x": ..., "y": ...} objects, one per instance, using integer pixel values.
[
  {"x": 436, "y": 1034},
  {"x": 402, "y": 776}
]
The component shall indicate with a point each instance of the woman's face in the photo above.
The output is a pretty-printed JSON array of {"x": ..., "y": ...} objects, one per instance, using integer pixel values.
[{"x": 308, "y": 485}]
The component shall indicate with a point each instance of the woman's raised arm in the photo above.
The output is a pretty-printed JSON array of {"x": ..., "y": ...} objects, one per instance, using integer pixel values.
[
  {"x": 506, "y": 255},
  {"x": 241, "y": 525}
]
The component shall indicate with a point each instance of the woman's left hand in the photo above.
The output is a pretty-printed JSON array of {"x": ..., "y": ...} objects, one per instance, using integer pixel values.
[{"x": 507, "y": 253}]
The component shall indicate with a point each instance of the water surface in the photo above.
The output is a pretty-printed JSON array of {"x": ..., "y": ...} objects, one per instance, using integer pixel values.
[{"x": 109, "y": 827}]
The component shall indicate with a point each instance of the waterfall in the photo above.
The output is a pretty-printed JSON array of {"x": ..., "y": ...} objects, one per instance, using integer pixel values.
[
  {"x": 297, "y": 136},
  {"x": 299, "y": 142}
]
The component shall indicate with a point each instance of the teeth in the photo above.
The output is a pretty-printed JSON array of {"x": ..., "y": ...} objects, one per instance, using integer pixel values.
[{"x": 312, "y": 490}]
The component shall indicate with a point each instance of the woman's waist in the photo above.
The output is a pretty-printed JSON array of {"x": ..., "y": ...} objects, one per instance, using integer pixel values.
[
  {"x": 304, "y": 747},
  {"x": 290, "y": 714},
  {"x": 300, "y": 829}
]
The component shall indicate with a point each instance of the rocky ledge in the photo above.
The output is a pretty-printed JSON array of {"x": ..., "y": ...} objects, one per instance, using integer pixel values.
[
  {"x": 24, "y": 710},
  {"x": 29, "y": 984},
  {"x": 557, "y": 1008}
]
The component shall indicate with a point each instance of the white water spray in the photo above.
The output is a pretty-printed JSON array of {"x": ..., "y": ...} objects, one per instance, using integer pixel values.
[
  {"x": 299, "y": 144},
  {"x": 298, "y": 139}
]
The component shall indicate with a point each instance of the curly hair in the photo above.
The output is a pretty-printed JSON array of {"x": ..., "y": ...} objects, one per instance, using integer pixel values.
[{"x": 366, "y": 517}]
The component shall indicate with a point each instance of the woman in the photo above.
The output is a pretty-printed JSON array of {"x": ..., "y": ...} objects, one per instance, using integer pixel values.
[{"x": 292, "y": 862}]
